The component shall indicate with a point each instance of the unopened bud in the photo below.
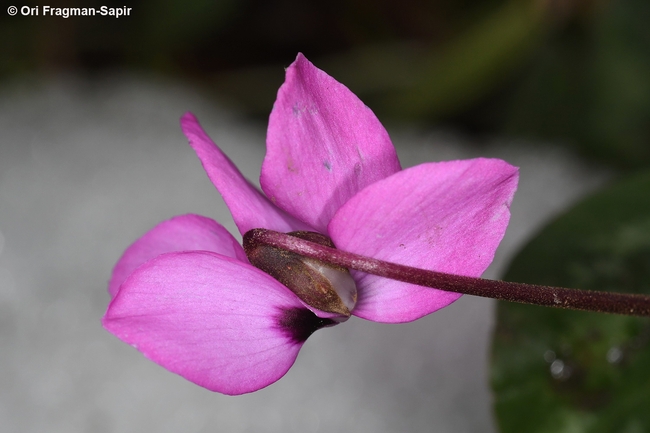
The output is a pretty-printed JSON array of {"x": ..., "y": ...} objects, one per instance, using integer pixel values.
[{"x": 318, "y": 284}]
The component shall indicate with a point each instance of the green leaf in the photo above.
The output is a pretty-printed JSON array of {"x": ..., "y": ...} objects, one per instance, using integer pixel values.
[
  {"x": 571, "y": 371},
  {"x": 588, "y": 86},
  {"x": 473, "y": 64}
]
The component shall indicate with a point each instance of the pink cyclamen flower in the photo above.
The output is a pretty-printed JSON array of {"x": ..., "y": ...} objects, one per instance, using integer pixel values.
[{"x": 186, "y": 295}]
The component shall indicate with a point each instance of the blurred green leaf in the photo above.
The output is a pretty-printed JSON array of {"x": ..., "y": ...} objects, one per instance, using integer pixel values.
[
  {"x": 474, "y": 63},
  {"x": 569, "y": 371},
  {"x": 589, "y": 86}
]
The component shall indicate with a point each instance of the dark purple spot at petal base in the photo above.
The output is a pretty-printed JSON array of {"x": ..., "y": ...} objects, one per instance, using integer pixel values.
[{"x": 300, "y": 323}]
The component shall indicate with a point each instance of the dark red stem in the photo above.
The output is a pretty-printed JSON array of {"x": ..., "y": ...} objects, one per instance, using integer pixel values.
[{"x": 604, "y": 302}]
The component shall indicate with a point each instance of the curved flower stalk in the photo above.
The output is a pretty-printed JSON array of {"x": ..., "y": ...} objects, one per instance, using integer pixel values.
[{"x": 186, "y": 295}]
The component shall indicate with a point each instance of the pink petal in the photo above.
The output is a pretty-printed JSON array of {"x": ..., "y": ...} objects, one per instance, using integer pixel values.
[
  {"x": 445, "y": 216},
  {"x": 181, "y": 233},
  {"x": 323, "y": 146},
  {"x": 214, "y": 320},
  {"x": 249, "y": 207}
]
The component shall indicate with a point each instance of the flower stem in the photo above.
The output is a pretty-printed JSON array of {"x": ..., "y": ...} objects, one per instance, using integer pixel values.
[{"x": 559, "y": 297}]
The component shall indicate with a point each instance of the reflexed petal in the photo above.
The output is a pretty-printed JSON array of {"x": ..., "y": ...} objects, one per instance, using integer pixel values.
[
  {"x": 446, "y": 216},
  {"x": 181, "y": 233},
  {"x": 214, "y": 320},
  {"x": 323, "y": 146},
  {"x": 249, "y": 207}
]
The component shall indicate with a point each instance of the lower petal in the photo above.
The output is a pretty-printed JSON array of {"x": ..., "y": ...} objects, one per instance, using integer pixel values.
[
  {"x": 182, "y": 233},
  {"x": 447, "y": 217},
  {"x": 214, "y": 320}
]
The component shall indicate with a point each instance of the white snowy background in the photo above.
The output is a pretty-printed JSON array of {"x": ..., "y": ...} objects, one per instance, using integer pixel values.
[{"x": 87, "y": 167}]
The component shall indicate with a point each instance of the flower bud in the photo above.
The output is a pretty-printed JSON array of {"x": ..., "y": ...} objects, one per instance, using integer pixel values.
[{"x": 325, "y": 287}]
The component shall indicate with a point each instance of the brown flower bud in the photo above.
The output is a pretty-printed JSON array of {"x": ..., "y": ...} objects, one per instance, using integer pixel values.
[{"x": 323, "y": 286}]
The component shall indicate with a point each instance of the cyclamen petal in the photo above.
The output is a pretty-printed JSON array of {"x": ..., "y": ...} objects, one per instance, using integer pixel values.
[
  {"x": 249, "y": 207},
  {"x": 185, "y": 295},
  {"x": 323, "y": 146},
  {"x": 212, "y": 319},
  {"x": 447, "y": 217},
  {"x": 181, "y": 233}
]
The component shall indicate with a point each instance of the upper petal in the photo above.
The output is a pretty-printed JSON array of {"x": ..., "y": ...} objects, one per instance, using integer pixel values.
[
  {"x": 218, "y": 322},
  {"x": 323, "y": 146},
  {"x": 249, "y": 207},
  {"x": 182, "y": 233},
  {"x": 445, "y": 216}
]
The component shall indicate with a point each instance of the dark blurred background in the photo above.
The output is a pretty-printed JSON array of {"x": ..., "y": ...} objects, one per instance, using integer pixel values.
[{"x": 575, "y": 72}]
